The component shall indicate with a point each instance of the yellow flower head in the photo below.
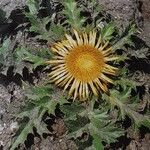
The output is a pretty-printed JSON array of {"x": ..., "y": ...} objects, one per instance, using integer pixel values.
[{"x": 80, "y": 64}]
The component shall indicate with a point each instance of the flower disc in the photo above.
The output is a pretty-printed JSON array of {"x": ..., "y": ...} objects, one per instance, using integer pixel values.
[{"x": 84, "y": 63}]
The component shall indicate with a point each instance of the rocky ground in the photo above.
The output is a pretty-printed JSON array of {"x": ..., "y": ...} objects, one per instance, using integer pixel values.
[{"x": 11, "y": 95}]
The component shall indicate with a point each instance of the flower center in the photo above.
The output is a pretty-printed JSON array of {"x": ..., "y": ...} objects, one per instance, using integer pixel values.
[{"x": 85, "y": 63}]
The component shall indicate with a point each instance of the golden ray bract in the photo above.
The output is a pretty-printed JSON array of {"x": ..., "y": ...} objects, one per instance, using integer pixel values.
[{"x": 81, "y": 64}]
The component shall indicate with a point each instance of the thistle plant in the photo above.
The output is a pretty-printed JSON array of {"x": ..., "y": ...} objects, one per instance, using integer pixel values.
[{"x": 82, "y": 60}]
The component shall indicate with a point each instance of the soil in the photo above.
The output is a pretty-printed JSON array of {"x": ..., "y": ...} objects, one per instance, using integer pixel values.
[
  {"x": 8, "y": 5},
  {"x": 145, "y": 10},
  {"x": 12, "y": 96},
  {"x": 123, "y": 11}
]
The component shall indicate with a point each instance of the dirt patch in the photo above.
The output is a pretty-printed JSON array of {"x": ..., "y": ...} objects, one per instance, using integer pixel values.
[
  {"x": 122, "y": 11},
  {"x": 138, "y": 143},
  {"x": 145, "y": 10},
  {"x": 11, "y": 99},
  {"x": 9, "y": 5}
]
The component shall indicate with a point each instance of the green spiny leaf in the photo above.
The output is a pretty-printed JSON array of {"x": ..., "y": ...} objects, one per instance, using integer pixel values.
[
  {"x": 55, "y": 31},
  {"x": 6, "y": 52},
  {"x": 125, "y": 38},
  {"x": 33, "y": 6},
  {"x": 23, "y": 54},
  {"x": 23, "y": 135},
  {"x": 138, "y": 119},
  {"x": 124, "y": 82},
  {"x": 97, "y": 142},
  {"x": 39, "y": 92},
  {"x": 107, "y": 32},
  {"x": 77, "y": 127},
  {"x": 71, "y": 111},
  {"x": 73, "y": 118},
  {"x": 3, "y": 50},
  {"x": 39, "y": 25},
  {"x": 127, "y": 105},
  {"x": 38, "y": 104},
  {"x": 118, "y": 99},
  {"x": 73, "y": 14},
  {"x": 102, "y": 127},
  {"x": 96, "y": 122},
  {"x": 140, "y": 53}
]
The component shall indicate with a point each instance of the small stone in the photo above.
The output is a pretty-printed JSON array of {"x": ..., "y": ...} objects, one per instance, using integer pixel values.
[
  {"x": 1, "y": 143},
  {"x": 2, "y": 110},
  {"x": 14, "y": 126}
]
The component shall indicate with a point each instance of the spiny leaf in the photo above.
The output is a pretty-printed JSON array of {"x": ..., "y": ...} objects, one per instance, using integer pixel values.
[
  {"x": 38, "y": 104},
  {"x": 107, "y": 32},
  {"x": 77, "y": 127},
  {"x": 73, "y": 14},
  {"x": 33, "y": 6},
  {"x": 75, "y": 123},
  {"x": 3, "y": 50},
  {"x": 108, "y": 133},
  {"x": 55, "y": 31},
  {"x": 97, "y": 142},
  {"x": 6, "y": 55},
  {"x": 18, "y": 57},
  {"x": 35, "y": 121},
  {"x": 141, "y": 53},
  {"x": 103, "y": 128},
  {"x": 39, "y": 25},
  {"x": 127, "y": 106},
  {"x": 99, "y": 116},
  {"x": 125, "y": 38},
  {"x": 23, "y": 135},
  {"x": 124, "y": 82},
  {"x": 38, "y": 92},
  {"x": 2, "y": 18},
  {"x": 4, "y": 46},
  {"x": 92, "y": 7},
  {"x": 96, "y": 122},
  {"x": 138, "y": 119},
  {"x": 22, "y": 54},
  {"x": 29, "y": 58},
  {"x": 118, "y": 99},
  {"x": 71, "y": 111}
]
